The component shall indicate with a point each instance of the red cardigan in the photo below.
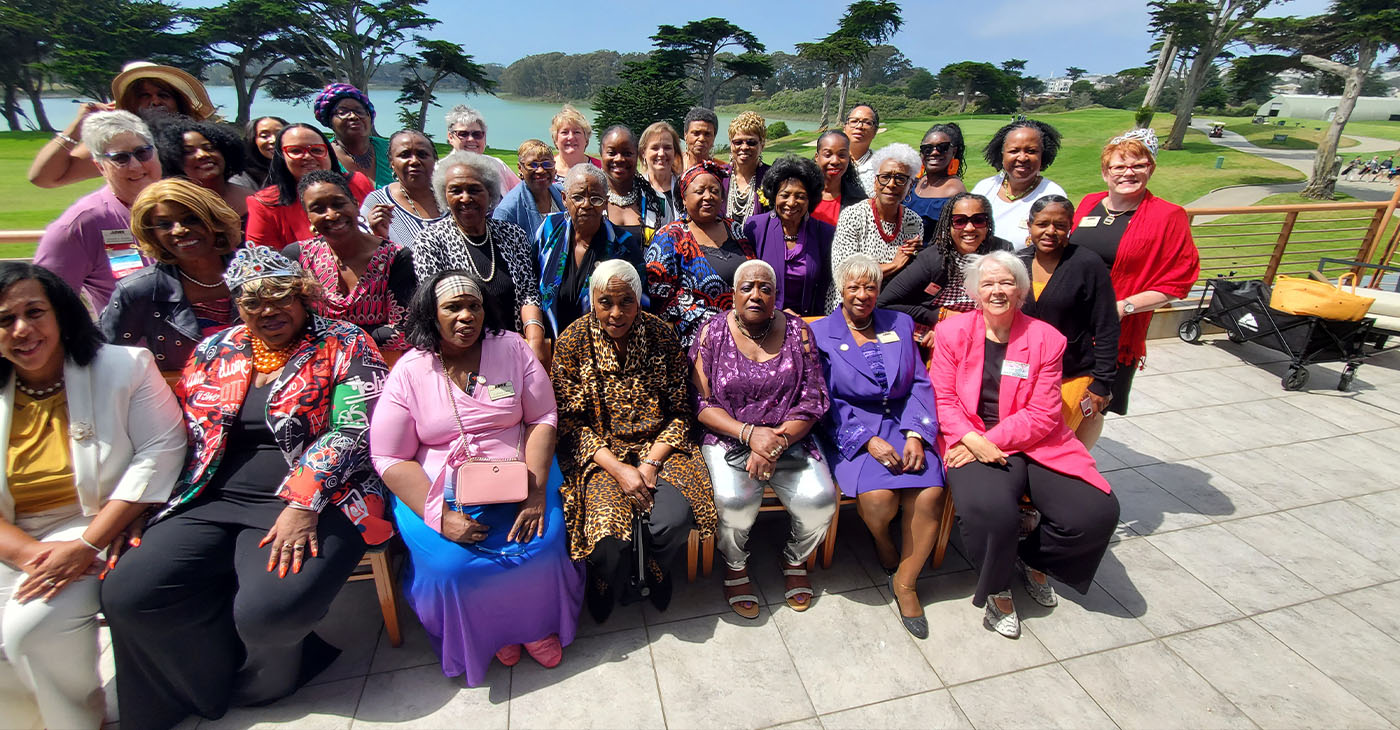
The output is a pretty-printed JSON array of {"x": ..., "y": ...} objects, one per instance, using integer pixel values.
[
  {"x": 1156, "y": 253},
  {"x": 279, "y": 226}
]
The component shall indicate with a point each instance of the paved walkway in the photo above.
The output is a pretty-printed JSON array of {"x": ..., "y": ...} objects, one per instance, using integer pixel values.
[{"x": 1254, "y": 583}]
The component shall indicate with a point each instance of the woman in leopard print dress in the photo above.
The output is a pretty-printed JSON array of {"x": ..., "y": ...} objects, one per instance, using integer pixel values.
[{"x": 625, "y": 439}]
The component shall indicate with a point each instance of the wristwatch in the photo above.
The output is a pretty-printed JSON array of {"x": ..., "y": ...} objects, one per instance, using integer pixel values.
[
  {"x": 1128, "y": 307},
  {"x": 652, "y": 462}
]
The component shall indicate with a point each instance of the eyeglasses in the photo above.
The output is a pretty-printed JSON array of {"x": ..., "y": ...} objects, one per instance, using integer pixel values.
[
  {"x": 298, "y": 151},
  {"x": 538, "y": 165},
  {"x": 1139, "y": 168},
  {"x": 897, "y": 178},
  {"x": 346, "y": 112},
  {"x": 122, "y": 159},
  {"x": 860, "y": 122},
  {"x": 978, "y": 220},
  {"x": 189, "y": 222},
  {"x": 467, "y": 134},
  {"x": 940, "y": 147},
  {"x": 595, "y": 201},
  {"x": 258, "y": 304},
  {"x": 743, "y": 142}
]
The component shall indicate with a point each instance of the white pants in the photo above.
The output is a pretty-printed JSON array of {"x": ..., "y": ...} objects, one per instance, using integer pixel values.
[{"x": 48, "y": 650}]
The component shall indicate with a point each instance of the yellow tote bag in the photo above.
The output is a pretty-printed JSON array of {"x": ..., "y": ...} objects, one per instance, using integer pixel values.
[{"x": 1319, "y": 298}]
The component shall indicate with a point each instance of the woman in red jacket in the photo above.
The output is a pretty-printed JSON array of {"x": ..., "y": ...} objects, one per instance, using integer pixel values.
[
  {"x": 1147, "y": 245},
  {"x": 996, "y": 382}
]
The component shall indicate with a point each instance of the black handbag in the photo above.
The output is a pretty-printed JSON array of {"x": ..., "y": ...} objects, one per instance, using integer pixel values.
[{"x": 795, "y": 457}]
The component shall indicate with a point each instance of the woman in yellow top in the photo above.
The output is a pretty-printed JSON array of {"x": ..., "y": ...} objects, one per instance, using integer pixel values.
[{"x": 93, "y": 437}]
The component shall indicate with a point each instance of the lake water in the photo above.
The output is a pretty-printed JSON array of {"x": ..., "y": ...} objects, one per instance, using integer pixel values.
[{"x": 509, "y": 121}]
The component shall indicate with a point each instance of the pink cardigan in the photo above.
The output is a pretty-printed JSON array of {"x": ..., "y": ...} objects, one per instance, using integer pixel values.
[{"x": 1029, "y": 412}]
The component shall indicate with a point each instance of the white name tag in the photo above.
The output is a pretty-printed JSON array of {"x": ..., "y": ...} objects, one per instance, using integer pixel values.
[
  {"x": 504, "y": 390},
  {"x": 890, "y": 336},
  {"x": 1013, "y": 369},
  {"x": 117, "y": 237},
  {"x": 1089, "y": 221}
]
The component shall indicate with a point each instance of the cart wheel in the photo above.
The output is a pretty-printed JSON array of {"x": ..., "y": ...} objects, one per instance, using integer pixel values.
[
  {"x": 1296, "y": 379},
  {"x": 1348, "y": 375},
  {"x": 1189, "y": 331},
  {"x": 1234, "y": 336}
]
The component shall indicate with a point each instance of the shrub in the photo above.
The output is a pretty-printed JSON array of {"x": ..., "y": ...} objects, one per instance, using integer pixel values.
[{"x": 777, "y": 130}]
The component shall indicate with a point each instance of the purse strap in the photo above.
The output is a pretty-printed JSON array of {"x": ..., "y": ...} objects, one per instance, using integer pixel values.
[{"x": 447, "y": 383}]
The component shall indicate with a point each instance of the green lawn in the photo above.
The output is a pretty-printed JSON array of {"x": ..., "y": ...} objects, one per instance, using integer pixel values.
[
  {"x": 1182, "y": 175},
  {"x": 23, "y": 206},
  {"x": 1306, "y": 137}
]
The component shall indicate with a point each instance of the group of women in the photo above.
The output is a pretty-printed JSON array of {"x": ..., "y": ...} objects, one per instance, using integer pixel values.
[{"x": 543, "y": 380}]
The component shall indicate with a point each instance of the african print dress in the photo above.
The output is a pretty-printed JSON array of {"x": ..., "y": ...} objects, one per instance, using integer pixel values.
[
  {"x": 681, "y": 279},
  {"x": 379, "y": 301},
  {"x": 625, "y": 406}
]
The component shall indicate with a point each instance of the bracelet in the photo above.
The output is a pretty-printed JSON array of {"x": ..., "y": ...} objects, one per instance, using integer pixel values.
[
  {"x": 84, "y": 541},
  {"x": 652, "y": 462},
  {"x": 743, "y": 435},
  {"x": 65, "y": 138},
  {"x": 536, "y": 322}
]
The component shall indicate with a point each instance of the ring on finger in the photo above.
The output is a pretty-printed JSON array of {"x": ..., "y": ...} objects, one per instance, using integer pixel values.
[{"x": 51, "y": 583}]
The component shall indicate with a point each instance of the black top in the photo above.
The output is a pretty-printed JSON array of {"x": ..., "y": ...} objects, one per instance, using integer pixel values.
[
  {"x": 1078, "y": 301},
  {"x": 908, "y": 290},
  {"x": 725, "y": 260},
  {"x": 501, "y": 287},
  {"x": 1103, "y": 238},
  {"x": 993, "y": 358},
  {"x": 566, "y": 304},
  {"x": 253, "y": 466}
]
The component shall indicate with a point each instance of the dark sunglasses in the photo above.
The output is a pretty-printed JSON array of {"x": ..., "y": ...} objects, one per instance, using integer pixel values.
[
  {"x": 978, "y": 220},
  {"x": 539, "y": 165},
  {"x": 743, "y": 142},
  {"x": 122, "y": 159},
  {"x": 941, "y": 148},
  {"x": 467, "y": 134}
]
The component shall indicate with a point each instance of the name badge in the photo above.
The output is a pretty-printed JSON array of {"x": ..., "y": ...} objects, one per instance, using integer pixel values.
[
  {"x": 887, "y": 337},
  {"x": 503, "y": 390},
  {"x": 117, "y": 237},
  {"x": 1013, "y": 369},
  {"x": 1089, "y": 221},
  {"x": 932, "y": 289}
]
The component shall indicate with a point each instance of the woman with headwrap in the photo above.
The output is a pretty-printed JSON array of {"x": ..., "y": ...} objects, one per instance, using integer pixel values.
[{"x": 347, "y": 111}]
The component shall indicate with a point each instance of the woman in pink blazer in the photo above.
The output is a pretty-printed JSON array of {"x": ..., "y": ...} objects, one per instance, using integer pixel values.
[{"x": 996, "y": 383}]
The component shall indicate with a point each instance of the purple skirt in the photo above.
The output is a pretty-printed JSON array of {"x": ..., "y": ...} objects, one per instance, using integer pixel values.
[{"x": 473, "y": 602}]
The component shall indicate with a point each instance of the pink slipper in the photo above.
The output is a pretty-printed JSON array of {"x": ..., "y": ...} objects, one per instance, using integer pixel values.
[
  {"x": 547, "y": 651},
  {"x": 509, "y": 655}
]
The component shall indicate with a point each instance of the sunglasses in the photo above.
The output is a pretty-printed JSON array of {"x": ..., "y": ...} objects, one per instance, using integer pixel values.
[
  {"x": 467, "y": 134},
  {"x": 189, "y": 222},
  {"x": 298, "y": 151},
  {"x": 742, "y": 142},
  {"x": 941, "y": 148},
  {"x": 978, "y": 220},
  {"x": 538, "y": 165},
  {"x": 122, "y": 159}
]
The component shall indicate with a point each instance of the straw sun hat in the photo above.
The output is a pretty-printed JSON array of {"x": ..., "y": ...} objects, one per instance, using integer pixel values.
[{"x": 187, "y": 86}]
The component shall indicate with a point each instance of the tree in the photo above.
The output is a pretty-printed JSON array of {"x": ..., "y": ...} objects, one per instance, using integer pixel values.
[
  {"x": 1251, "y": 78},
  {"x": 250, "y": 38},
  {"x": 967, "y": 79},
  {"x": 1075, "y": 73},
  {"x": 871, "y": 21},
  {"x": 435, "y": 62},
  {"x": 1161, "y": 71},
  {"x": 1202, "y": 30},
  {"x": 885, "y": 65},
  {"x": 24, "y": 36},
  {"x": 348, "y": 40},
  {"x": 92, "y": 39},
  {"x": 651, "y": 90},
  {"x": 1355, "y": 29},
  {"x": 921, "y": 84},
  {"x": 699, "y": 42},
  {"x": 837, "y": 54}
]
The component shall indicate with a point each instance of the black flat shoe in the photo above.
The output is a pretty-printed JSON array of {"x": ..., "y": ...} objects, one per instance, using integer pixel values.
[
  {"x": 599, "y": 597},
  {"x": 661, "y": 588}
]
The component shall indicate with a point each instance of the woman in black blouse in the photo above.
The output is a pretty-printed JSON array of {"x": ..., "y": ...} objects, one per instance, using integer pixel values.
[{"x": 1071, "y": 291}]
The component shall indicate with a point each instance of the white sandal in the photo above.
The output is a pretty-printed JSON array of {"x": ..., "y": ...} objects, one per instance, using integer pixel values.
[
  {"x": 734, "y": 601},
  {"x": 792, "y": 593}
]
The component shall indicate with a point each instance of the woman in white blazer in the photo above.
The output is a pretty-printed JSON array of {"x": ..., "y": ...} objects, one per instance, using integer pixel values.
[{"x": 93, "y": 436}]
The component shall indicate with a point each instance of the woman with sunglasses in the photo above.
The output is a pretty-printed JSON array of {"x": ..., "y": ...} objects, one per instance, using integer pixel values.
[
  {"x": 942, "y": 153},
  {"x": 526, "y": 205},
  {"x": 466, "y": 131},
  {"x": 747, "y": 135},
  {"x": 77, "y": 245},
  {"x": 275, "y": 216},
  {"x": 930, "y": 288}
]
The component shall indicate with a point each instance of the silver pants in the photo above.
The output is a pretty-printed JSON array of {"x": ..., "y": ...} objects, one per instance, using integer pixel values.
[{"x": 808, "y": 494}]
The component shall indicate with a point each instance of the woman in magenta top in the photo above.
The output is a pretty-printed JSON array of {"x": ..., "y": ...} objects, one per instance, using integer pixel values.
[
  {"x": 275, "y": 216},
  {"x": 484, "y": 579}
]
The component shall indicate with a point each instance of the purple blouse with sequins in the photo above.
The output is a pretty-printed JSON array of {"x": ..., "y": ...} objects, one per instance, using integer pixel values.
[{"x": 789, "y": 387}]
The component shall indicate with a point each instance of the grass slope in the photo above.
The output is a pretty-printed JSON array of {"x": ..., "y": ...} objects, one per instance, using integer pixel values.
[
  {"x": 1297, "y": 138},
  {"x": 23, "y": 206}
]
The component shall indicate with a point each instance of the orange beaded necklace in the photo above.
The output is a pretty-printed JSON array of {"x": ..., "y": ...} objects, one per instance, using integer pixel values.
[{"x": 266, "y": 360}]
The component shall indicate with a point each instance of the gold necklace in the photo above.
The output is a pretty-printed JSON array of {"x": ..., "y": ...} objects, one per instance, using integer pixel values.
[{"x": 1006, "y": 187}]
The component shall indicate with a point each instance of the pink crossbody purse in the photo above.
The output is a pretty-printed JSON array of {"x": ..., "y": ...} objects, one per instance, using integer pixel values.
[{"x": 486, "y": 481}]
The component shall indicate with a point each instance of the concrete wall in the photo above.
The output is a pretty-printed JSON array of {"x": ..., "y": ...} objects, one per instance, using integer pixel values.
[{"x": 1368, "y": 108}]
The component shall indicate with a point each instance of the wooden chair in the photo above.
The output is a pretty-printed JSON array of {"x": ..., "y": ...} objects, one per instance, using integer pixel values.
[
  {"x": 701, "y": 553},
  {"x": 377, "y": 565}
]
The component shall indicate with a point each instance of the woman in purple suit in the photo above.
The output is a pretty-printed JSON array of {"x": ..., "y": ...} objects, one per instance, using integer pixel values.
[
  {"x": 794, "y": 243},
  {"x": 882, "y": 423}
]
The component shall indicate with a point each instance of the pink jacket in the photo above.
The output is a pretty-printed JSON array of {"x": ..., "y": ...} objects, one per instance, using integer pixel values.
[{"x": 1030, "y": 420}]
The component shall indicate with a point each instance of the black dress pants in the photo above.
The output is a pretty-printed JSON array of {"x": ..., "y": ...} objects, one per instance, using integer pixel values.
[
  {"x": 1076, "y": 522},
  {"x": 669, "y": 526},
  {"x": 196, "y": 618}
]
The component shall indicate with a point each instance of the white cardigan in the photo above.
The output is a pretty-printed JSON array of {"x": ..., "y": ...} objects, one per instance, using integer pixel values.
[{"x": 126, "y": 431}]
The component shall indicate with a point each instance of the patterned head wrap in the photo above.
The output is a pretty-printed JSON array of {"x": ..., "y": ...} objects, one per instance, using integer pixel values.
[
  {"x": 258, "y": 262},
  {"x": 456, "y": 285},
  {"x": 701, "y": 168},
  {"x": 1147, "y": 137},
  {"x": 325, "y": 102}
]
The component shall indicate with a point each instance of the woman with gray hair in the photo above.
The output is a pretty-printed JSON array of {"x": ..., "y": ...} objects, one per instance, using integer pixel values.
[
  {"x": 92, "y": 241},
  {"x": 996, "y": 381},
  {"x": 759, "y": 392},
  {"x": 882, "y": 416},
  {"x": 496, "y": 253},
  {"x": 570, "y": 243},
  {"x": 884, "y": 227},
  {"x": 621, "y": 359},
  {"x": 466, "y": 131}
]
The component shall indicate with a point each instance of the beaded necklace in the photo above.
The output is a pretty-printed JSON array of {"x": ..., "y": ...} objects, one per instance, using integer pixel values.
[
  {"x": 895, "y": 225},
  {"x": 267, "y": 360}
]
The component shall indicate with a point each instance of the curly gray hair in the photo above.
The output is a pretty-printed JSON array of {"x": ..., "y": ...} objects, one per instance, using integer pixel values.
[
  {"x": 481, "y": 167},
  {"x": 899, "y": 152},
  {"x": 464, "y": 116}
]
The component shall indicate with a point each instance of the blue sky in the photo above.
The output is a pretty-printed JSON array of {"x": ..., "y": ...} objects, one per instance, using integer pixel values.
[{"x": 1102, "y": 36}]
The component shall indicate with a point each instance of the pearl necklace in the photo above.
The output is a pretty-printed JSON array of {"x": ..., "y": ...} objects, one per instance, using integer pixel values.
[
  {"x": 490, "y": 255},
  {"x": 623, "y": 201},
  {"x": 197, "y": 282},
  {"x": 740, "y": 201},
  {"x": 862, "y": 328},
  {"x": 39, "y": 393}
]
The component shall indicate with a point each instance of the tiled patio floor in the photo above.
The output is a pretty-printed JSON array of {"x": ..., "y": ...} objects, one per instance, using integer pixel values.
[{"x": 1255, "y": 583}]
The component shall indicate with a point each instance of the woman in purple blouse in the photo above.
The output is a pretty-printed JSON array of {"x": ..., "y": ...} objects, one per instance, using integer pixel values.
[
  {"x": 760, "y": 390},
  {"x": 794, "y": 243}
]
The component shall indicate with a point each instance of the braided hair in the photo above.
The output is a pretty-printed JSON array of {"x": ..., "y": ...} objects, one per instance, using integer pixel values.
[
  {"x": 943, "y": 230},
  {"x": 954, "y": 133}
]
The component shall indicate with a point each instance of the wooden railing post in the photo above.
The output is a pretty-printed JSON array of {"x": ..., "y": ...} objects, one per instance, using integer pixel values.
[{"x": 1284, "y": 233}]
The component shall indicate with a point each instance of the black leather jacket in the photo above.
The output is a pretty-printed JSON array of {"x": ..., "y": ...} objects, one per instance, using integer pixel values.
[{"x": 149, "y": 309}]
